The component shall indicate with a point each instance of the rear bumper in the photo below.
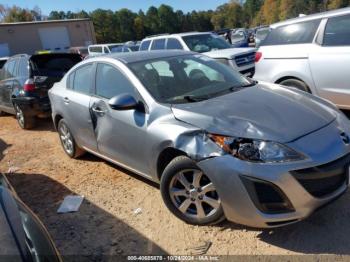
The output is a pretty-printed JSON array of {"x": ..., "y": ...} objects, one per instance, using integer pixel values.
[{"x": 33, "y": 106}]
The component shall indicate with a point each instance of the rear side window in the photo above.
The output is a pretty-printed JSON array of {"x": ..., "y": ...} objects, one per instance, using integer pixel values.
[
  {"x": 23, "y": 68},
  {"x": 173, "y": 44},
  {"x": 145, "y": 45},
  {"x": 95, "y": 49},
  {"x": 337, "y": 31},
  {"x": 158, "y": 44},
  {"x": 300, "y": 33},
  {"x": 83, "y": 79},
  {"x": 111, "y": 82}
]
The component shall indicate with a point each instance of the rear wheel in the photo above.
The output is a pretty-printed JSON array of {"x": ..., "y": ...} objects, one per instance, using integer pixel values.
[
  {"x": 296, "y": 83},
  {"x": 24, "y": 121},
  {"x": 189, "y": 194},
  {"x": 68, "y": 143}
]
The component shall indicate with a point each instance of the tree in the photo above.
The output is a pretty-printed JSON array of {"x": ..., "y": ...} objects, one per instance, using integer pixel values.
[
  {"x": 152, "y": 22},
  {"x": 168, "y": 20}
]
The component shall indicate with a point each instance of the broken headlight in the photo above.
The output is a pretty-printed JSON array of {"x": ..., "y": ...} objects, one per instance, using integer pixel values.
[{"x": 256, "y": 150}]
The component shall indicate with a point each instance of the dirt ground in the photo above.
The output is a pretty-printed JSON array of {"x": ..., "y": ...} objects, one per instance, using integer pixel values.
[{"x": 106, "y": 223}]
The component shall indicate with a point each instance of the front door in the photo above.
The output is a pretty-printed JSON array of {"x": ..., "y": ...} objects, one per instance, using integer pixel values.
[{"x": 121, "y": 135}]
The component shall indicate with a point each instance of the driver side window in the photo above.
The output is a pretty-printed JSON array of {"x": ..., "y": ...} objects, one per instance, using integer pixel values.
[{"x": 111, "y": 82}]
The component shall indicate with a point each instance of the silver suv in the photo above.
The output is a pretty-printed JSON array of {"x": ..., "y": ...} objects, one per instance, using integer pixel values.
[
  {"x": 209, "y": 44},
  {"x": 311, "y": 53}
]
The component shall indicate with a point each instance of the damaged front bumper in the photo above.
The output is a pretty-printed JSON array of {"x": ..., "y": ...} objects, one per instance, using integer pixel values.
[{"x": 274, "y": 194}]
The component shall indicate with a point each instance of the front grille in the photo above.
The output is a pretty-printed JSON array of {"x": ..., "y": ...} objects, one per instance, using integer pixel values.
[
  {"x": 246, "y": 59},
  {"x": 323, "y": 180}
]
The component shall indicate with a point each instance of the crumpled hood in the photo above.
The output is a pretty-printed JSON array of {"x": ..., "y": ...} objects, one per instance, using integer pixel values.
[{"x": 265, "y": 111}]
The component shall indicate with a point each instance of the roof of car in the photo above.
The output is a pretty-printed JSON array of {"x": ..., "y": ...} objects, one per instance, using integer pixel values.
[
  {"x": 179, "y": 34},
  {"x": 131, "y": 57},
  {"x": 338, "y": 12}
]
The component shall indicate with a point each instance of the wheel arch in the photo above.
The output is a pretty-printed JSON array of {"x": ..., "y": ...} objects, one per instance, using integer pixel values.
[
  {"x": 165, "y": 157},
  {"x": 281, "y": 79}
]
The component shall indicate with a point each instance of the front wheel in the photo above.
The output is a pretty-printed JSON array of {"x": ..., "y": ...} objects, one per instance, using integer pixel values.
[
  {"x": 189, "y": 194},
  {"x": 25, "y": 122},
  {"x": 68, "y": 143}
]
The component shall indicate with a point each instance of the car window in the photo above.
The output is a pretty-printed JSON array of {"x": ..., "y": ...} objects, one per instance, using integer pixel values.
[
  {"x": 116, "y": 49},
  {"x": 145, "y": 45},
  {"x": 9, "y": 69},
  {"x": 173, "y": 44},
  {"x": 70, "y": 80},
  {"x": 111, "y": 82},
  {"x": 337, "y": 31},
  {"x": 300, "y": 33},
  {"x": 158, "y": 44},
  {"x": 105, "y": 50},
  {"x": 95, "y": 49},
  {"x": 174, "y": 79},
  {"x": 23, "y": 69},
  {"x": 205, "y": 42},
  {"x": 83, "y": 79}
]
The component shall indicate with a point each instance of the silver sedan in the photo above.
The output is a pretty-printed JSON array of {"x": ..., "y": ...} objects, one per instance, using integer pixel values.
[{"x": 220, "y": 145}]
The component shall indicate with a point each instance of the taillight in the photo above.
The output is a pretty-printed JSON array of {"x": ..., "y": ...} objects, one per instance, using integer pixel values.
[
  {"x": 258, "y": 56},
  {"x": 29, "y": 85}
]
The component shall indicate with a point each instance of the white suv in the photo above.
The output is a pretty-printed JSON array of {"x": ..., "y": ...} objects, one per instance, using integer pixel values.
[
  {"x": 209, "y": 44},
  {"x": 311, "y": 53}
]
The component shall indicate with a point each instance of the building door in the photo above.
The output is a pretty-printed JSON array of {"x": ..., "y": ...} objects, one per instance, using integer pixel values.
[{"x": 54, "y": 38}]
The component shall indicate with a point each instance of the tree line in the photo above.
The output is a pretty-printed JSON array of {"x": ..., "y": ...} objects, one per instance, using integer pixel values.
[{"x": 124, "y": 25}]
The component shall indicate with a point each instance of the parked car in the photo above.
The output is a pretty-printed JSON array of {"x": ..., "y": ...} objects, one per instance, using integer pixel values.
[
  {"x": 260, "y": 34},
  {"x": 3, "y": 61},
  {"x": 311, "y": 53},
  {"x": 240, "y": 38},
  {"x": 25, "y": 80},
  {"x": 126, "y": 49},
  {"x": 23, "y": 237},
  {"x": 103, "y": 48},
  {"x": 81, "y": 50},
  {"x": 219, "y": 144},
  {"x": 209, "y": 44}
]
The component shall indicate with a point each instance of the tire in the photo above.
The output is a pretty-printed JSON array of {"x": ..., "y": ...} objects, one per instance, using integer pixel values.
[
  {"x": 25, "y": 122},
  {"x": 191, "y": 197},
  {"x": 296, "y": 84},
  {"x": 68, "y": 143}
]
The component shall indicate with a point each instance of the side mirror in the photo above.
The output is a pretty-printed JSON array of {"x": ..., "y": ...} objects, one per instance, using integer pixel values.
[{"x": 123, "y": 102}]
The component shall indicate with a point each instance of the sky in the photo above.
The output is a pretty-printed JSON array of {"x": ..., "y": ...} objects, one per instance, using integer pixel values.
[{"x": 88, "y": 5}]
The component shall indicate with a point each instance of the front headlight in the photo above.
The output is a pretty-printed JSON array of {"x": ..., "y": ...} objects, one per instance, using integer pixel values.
[{"x": 256, "y": 150}]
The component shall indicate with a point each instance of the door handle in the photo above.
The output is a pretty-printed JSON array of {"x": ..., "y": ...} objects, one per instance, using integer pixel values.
[
  {"x": 66, "y": 100},
  {"x": 98, "y": 110}
]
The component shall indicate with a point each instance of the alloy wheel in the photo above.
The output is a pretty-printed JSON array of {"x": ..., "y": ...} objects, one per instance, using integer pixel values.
[
  {"x": 66, "y": 138},
  {"x": 194, "y": 194},
  {"x": 19, "y": 115}
]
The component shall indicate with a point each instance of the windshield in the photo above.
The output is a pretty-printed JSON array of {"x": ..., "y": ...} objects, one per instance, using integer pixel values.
[
  {"x": 189, "y": 78},
  {"x": 205, "y": 42}
]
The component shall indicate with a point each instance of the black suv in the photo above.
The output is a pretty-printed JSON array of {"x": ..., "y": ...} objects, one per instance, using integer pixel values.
[{"x": 25, "y": 81}]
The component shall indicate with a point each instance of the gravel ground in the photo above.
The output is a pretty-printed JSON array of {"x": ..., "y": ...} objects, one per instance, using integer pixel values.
[{"x": 106, "y": 223}]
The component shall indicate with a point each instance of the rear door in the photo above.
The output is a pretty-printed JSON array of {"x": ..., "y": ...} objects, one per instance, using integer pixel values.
[
  {"x": 330, "y": 62},
  {"x": 76, "y": 103},
  {"x": 120, "y": 134},
  {"x": 6, "y": 84}
]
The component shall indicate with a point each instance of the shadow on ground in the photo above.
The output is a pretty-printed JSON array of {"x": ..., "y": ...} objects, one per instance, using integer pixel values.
[
  {"x": 326, "y": 232},
  {"x": 3, "y": 147},
  {"x": 91, "y": 231}
]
